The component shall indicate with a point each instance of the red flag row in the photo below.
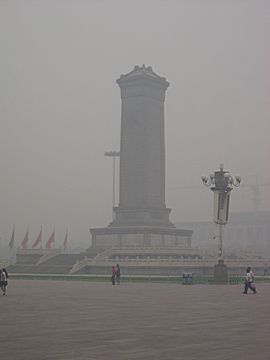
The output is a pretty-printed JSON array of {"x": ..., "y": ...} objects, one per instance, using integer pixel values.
[{"x": 38, "y": 241}]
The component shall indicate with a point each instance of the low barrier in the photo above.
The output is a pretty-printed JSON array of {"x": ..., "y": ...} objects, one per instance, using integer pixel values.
[{"x": 197, "y": 279}]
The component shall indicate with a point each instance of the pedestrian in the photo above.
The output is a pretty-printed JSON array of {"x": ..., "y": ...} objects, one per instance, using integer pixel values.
[
  {"x": 117, "y": 274},
  {"x": 249, "y": 281},
  {"x": 5, "y": 271},
  {"x": 3, "y": 280},
  {"x": 265, "y": 270},
  {"x": 113, "y": 275}
]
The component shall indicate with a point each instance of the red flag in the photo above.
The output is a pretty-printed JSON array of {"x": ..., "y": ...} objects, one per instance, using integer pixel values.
[
  {"x": 65, "y": 241},
  {"x": 50, "y": 241},
  {"x": 38, "y": 240},
  {"x": 25, "y": 240},
  {"x": 12, "y": 239}
]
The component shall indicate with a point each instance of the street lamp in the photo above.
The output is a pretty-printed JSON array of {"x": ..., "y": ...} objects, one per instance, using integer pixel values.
[
  {"x": 113, "y": 154},
  {"x": 221, "y": 183}
]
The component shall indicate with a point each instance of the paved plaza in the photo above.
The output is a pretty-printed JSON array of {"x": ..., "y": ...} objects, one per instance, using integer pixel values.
[{"x": 72, "y": 320}]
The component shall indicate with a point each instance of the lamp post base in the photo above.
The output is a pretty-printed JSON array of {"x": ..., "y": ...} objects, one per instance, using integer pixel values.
[{"x": 220, "y": 272}]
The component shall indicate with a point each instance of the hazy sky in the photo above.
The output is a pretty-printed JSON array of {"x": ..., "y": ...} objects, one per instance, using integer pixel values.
[{"x": 60, "y": 105}]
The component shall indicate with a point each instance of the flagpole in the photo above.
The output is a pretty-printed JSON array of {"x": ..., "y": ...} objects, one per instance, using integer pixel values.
[
  {"x": 27, "y": 238},
  {"x": 11, "y": 245},
  {"x": 10, "y": 255},
  {"x": 65, "y": 240},
  {"x": 50, "y": 242},
  {"x": 24, "y": 243},
  {"x": 40, "y": 246},
  {"x": 38, "y": 240},
  {"x": 27, "y": 244}
]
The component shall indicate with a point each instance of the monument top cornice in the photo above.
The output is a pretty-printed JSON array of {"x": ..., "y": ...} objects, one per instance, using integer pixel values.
[{"x": 142, "y": 72}]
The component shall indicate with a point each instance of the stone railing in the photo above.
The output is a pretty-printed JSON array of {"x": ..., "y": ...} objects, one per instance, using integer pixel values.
[
  {"x": 161, "y": 250},
  {"x": 104, "y": 254},
  {"x": 4, "y": 263},
  {"x": 187, "y": 263},
  {"x": 30, "y": 251},
  {"x": 177, "y": 262},
  {"x": 152, "y": 262},
  {"x": 80, "y": 264}
]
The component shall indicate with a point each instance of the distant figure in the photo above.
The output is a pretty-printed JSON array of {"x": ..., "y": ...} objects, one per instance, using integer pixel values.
[
  {"x": 5, "y": 271},
  {"x": 249, "y": 282},
  {"x": 117, "y": 274},
  {"x": 3, "y": 280},
  {"x": 113, "y": 275}
]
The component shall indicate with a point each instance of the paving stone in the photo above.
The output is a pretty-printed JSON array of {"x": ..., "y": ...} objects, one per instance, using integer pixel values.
[{"x": 69, "y": 320}]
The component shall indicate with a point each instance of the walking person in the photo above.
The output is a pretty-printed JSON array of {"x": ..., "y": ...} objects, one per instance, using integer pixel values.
[
  {"x": 117, "y": 274},
  {"x": 265, "y": 270},
  {"x": 113, "y": 275},
  {"x": 249, "y": 282},
  {"x": 3, "y": 280}
]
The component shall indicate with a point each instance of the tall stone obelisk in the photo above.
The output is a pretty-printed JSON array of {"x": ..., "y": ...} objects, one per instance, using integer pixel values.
[
  {"x": 142, "y": 218},
  {"x": 142, "y": 150}
]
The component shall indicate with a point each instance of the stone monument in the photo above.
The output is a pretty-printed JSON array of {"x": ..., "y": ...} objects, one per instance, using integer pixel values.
[{"x": 142, "y": 219}]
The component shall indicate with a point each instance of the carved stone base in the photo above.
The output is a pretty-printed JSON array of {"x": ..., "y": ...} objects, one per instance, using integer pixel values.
[
  {"x": 220, "y": 273},
  {"x": 150, "y": 236}
]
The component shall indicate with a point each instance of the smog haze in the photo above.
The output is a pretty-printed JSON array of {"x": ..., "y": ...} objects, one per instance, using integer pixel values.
[{"x": 61, "y": 106}]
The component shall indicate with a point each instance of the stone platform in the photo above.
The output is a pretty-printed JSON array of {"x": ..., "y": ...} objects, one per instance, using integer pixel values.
[
  {"x": 154, "y": 236},
  {"x": 56, "y": 320}
]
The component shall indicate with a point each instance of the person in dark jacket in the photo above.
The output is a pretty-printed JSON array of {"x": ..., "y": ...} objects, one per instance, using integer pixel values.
[
  {"x": 113, "y": 275},
  {"x": 117, "y": 274},
  {"x": 3, "y": 280}
]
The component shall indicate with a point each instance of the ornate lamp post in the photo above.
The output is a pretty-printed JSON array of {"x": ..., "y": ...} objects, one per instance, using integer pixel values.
[{"x": 221, "y": 183}]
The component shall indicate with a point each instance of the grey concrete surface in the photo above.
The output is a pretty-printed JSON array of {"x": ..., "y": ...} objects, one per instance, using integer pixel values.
[{"x": 81, "y": 320}]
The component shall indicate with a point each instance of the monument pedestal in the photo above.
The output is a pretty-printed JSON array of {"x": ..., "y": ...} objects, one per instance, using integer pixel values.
[
  {"x": 140, "y": 236},
  {"x": 220, "y": 273},
  {"x": 139, "y": 244}
]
